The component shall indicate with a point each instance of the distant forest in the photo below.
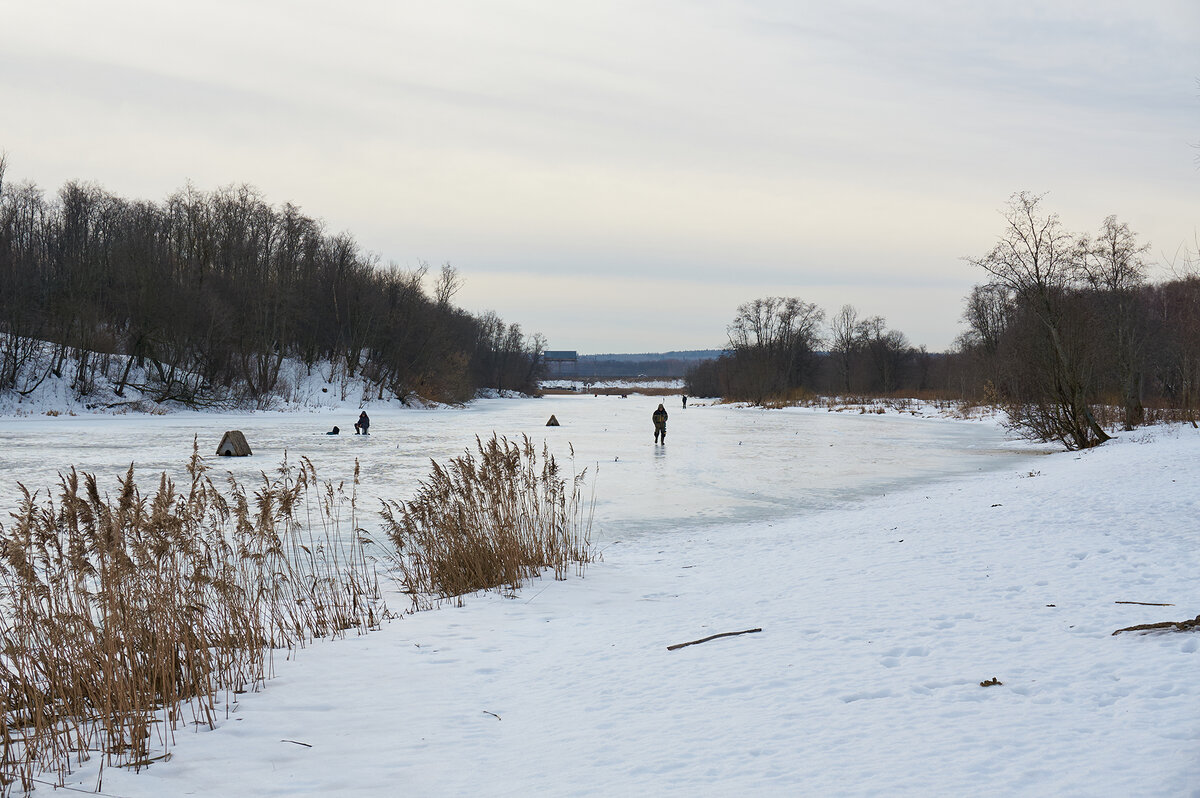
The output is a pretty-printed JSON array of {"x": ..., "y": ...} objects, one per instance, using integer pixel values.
[
  {"x": 209, "y": 292},
  {"x": 1066, "y": 334},
  {"x": 669, "y": 365}
]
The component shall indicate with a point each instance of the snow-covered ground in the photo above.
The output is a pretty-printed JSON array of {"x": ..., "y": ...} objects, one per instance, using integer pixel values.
[
  {"x": 892, "y": 562},
  {"x": 323, "y": 386}
]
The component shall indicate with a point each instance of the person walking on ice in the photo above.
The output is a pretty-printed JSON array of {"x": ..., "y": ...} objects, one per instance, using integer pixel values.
[{"x": 660, "y": 424}]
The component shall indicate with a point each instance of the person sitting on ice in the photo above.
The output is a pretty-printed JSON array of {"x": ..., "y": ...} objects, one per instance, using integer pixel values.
[
  {"x": 660, "y": 424},
  {"x": 362, "y": 424},
  {"x": 333, "y": 431}
]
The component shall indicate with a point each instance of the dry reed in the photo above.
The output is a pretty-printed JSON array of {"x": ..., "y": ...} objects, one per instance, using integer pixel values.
[
  {"x": 490, "y": 520},
  {"x": 124, "y": 618}
]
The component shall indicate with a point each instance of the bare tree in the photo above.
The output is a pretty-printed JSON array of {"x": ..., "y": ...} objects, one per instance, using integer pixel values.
[
  {"x": 774, "y": 342},
  {"x": 887, "y": 351},
  {"x": 448, "y": 284},
  {"x": 989, "y": 308},
  {"x": 1174, "y": 312},
  {"x": 1114, "y": 267},
  {"x": 1037, "y": 260},
  {"x": 845, "y": 339}
]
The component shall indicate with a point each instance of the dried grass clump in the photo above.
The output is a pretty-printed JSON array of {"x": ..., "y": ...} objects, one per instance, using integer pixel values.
[
  {"x": 122, "y": 618},
  {"x": 1171, "y": 415},
  {"x": 490, "y": 520},
  {"x": 792, "y": 397}
]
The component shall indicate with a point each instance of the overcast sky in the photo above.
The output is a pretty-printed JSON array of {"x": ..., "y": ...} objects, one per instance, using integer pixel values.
[{"x": 619, "y": 176}]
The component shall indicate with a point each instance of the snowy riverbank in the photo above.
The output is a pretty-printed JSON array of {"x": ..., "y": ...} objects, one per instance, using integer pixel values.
[{"x": 880, "y": 620}]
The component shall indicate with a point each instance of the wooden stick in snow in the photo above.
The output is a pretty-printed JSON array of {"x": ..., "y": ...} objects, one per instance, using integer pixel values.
[
  {"x": 1176, "y": 626},
  {"x": 712, "y": 637}
]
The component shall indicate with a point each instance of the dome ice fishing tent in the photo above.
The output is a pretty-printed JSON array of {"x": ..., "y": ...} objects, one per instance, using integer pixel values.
[{"x": 234, "y": 445}]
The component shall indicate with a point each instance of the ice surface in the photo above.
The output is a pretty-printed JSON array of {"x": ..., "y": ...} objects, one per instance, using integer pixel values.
[{"x": 720, "y": 463}]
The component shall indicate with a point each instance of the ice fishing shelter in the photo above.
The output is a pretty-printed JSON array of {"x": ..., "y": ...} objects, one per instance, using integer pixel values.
[
  {"x": 234, "y": 445},
  {"x": 553, "y": 422}
]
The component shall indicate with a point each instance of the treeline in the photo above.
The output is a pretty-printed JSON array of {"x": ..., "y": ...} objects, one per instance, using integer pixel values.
[
  {"x": 1071, "y": 336},
  {"x": 666, "y": 365},
  {"x": 1067, "y": 335},
  {"x": 782, "y": 348},
  {"x": 208, "y": 293}
]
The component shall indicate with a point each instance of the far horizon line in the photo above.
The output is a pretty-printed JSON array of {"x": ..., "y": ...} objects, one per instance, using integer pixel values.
[{"x": 717, "y": 350}]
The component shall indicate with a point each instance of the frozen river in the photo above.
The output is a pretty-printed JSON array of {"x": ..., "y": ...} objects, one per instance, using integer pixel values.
[{"x": 720, "y": 464}]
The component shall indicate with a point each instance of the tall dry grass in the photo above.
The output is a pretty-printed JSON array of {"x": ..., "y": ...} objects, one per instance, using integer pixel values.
[
  {"x": 125, "y": 617},
  {"x": 490, "y": 519}
]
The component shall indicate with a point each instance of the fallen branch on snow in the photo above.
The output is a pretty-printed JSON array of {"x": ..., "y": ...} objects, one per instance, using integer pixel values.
[
  {"x": 1174, "y": 626},
  {"x": 712, "y": 637},
  {"x": 1144, "y": 603}
]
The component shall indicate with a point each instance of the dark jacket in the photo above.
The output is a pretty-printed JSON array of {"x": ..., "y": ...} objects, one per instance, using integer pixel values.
[{"x": 660, "y": 417}]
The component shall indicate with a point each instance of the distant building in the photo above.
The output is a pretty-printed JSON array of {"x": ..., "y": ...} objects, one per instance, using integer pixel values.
[{"x": 560, "y": 362}]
